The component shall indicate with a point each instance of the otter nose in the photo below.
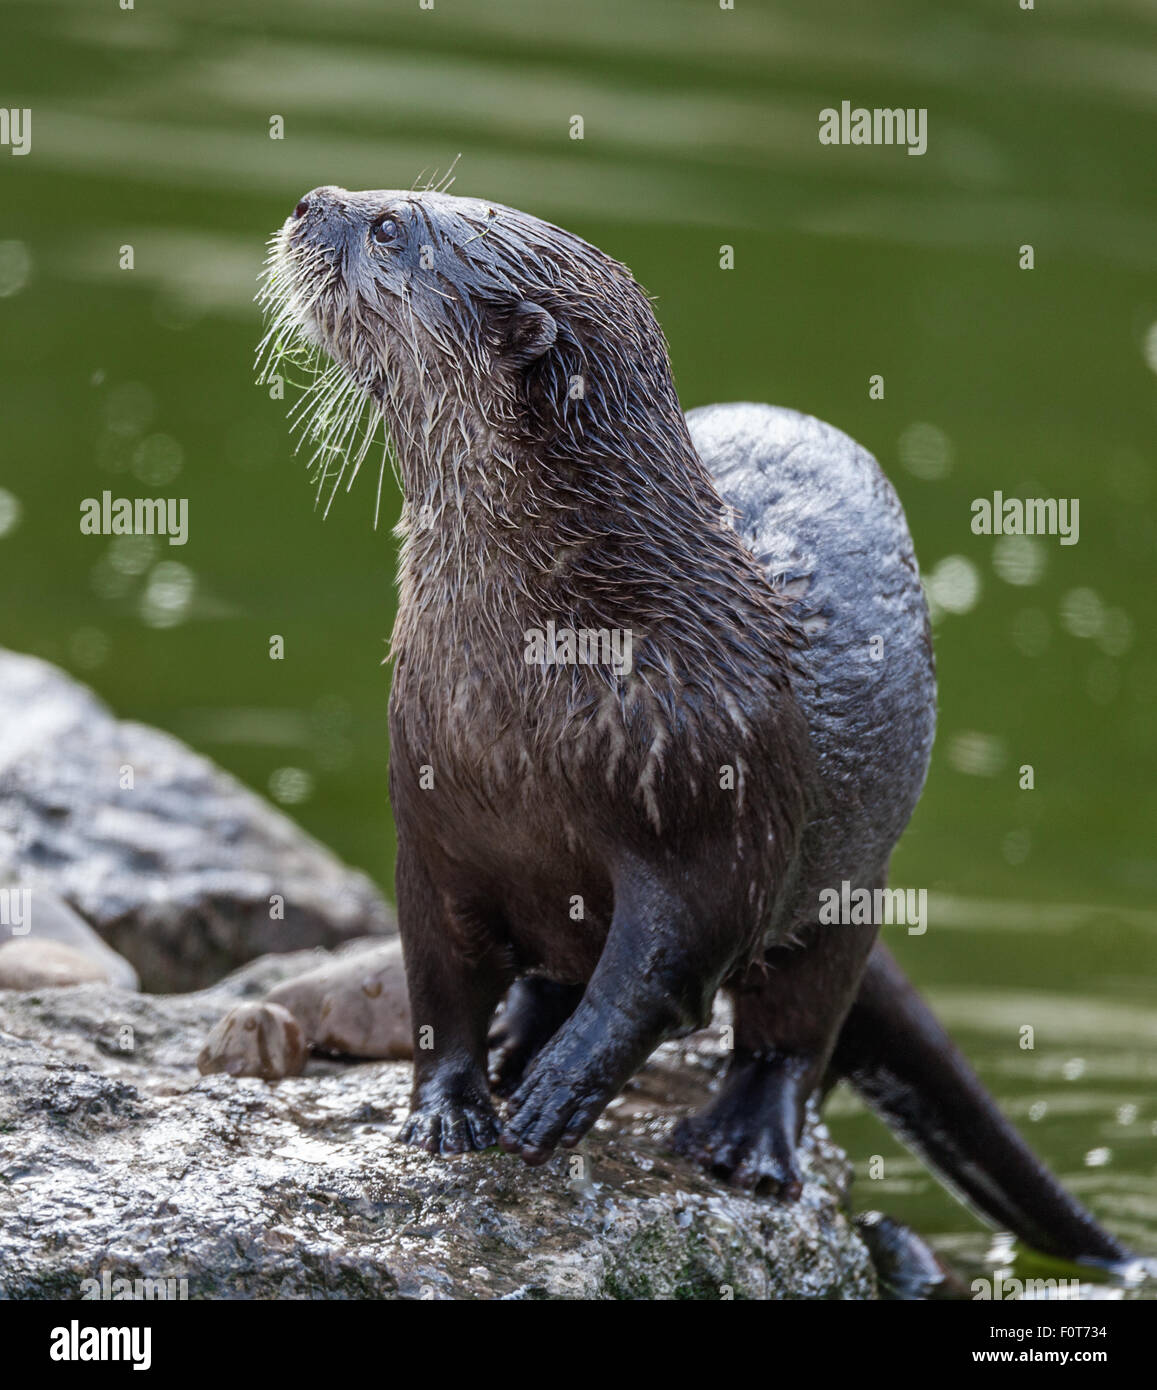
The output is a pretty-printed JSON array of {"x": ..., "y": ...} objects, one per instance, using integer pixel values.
[
  {"x": 323, "y": 216},
  {"x": 322, "y": 202}
]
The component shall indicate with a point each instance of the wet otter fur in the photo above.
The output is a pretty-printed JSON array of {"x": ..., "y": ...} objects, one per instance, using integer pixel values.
[{"x": 608, "y": 847}]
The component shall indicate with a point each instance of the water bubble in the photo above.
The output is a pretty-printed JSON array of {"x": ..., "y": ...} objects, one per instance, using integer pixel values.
[
  {"x": 1038, "y": 1110},
  {"x": 158, "y": 460},
  {"x": 979, "y": 755},
  {"x": 15, "y": 267},
  {"x": 132, "y": 554},
  {"x": 954, "y": 584},
  {"x": 1082, "y": 612},
  {"x": 1030, "y": 631},
  {"x": 1116, "y": 634},
  {"x": 1073, "y": 1069},
  {"x": 1126, "y": 1114},
  {"x": 1018, "y": 560},
  {"x": 168, "y": 594},
  {"x": 1098, "y": 1158},
  {"x": 11, "y": 511},
  {"x": 926, "y": 451},
  {"x": 289, "y": 786}
]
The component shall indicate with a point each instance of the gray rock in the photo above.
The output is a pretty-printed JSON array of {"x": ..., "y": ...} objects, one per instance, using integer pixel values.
[
  {"x": 47, "y": 920},
  {"x": 29, "y": 963},
  {"x": 260, "y": 1039},
  {"x": 177, "y": 872},
  {"x": 117, "y": 1159},
  {"x": 356, "y": 1004}
]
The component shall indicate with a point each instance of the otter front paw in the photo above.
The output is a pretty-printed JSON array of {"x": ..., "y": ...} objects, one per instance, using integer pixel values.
[
  {"x": 443, "y": 1125},
  {"x": 546, "y": 1111},
  {"x": 561, "y": 1098}
]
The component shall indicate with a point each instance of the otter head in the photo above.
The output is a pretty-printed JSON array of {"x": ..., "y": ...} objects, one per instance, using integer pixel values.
[{"x": 477, "y": 330}]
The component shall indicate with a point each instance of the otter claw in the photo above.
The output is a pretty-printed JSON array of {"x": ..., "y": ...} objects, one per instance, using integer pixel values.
[
  {"x": 443, "y": 1127},
  {"x": 546, "y": 1112}
]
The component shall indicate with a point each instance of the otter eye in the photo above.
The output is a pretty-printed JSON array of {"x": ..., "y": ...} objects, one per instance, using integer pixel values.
[{"x": 385, "y": 231}]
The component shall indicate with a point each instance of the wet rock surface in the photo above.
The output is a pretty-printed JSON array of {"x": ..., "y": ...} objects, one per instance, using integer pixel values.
[
  {"x": 120, "y": 1161},
  {"x": 180, "y": 868},
  {"x": 117, "y": 1158}
]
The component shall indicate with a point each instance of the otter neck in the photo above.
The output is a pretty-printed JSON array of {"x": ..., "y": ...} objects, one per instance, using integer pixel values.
[{"x": 502, "y": 535}]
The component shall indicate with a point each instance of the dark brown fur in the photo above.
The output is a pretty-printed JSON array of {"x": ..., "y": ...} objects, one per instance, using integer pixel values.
[{"x": 621, "y": 842}]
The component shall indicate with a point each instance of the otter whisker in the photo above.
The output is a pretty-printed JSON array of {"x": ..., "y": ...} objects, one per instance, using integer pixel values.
[{"x": 448, "y": 178}]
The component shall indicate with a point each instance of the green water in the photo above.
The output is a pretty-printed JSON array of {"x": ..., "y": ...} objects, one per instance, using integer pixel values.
[{"x": 151, "y": 129}]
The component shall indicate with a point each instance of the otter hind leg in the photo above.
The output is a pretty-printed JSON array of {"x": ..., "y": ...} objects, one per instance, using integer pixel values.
[
  {"x": 533, "y": 1012},
  {"x": 452, "y": 998},
  {"x": 788, "y": 1012}
]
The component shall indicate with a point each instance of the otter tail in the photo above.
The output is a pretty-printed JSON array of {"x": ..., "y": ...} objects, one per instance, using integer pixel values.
[{"x": 907, "y": 1069}]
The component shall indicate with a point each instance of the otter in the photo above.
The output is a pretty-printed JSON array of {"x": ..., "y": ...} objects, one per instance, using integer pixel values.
[{"x": 603, "y": 844}]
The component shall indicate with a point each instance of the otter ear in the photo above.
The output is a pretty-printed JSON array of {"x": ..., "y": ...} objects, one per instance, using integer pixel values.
[{"x": 530, "y": 331}]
